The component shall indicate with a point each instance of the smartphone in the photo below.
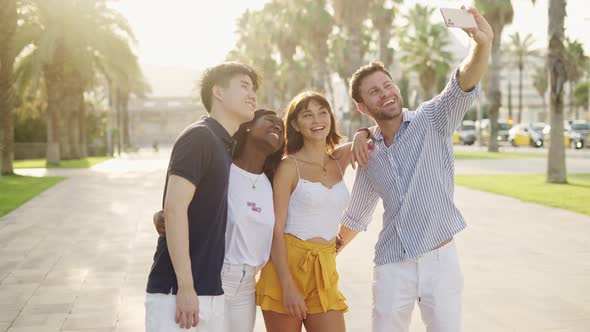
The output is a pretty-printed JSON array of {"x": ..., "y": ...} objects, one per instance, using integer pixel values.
[{"x": 458, "y": 18}]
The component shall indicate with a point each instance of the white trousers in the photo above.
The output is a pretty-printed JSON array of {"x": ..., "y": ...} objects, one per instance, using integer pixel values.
[
  {"x": 160, "y": 314},
  {"x": 434, "y": 281},
  {"x": 239, "y": 287}
]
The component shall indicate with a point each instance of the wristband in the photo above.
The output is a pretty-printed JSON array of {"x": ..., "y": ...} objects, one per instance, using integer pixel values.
[{"x": 369, "y": 135}]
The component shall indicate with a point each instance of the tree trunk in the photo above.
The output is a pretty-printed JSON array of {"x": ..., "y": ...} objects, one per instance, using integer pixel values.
[
  {"x": 494, "y": 93},
  {"x": 354, "y": 46},
  {"x": 119, "y": 111},
  {"x": 77, "y": 94},
  {"x": 8, "y": 17},
  {"x": 556, "y": 60},
  {"x": 520, "y": 68},
  {"x": 385, "y": 53},
  {"x": 125, "y": 109},
  {"x": 53, "y": 81},
  {"x": 82, "y": 127},
  {"x": 572, "y": 102},
  {"x": 510, "y": 102}
]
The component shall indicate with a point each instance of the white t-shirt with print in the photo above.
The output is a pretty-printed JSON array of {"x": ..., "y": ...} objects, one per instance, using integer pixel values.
[{"x": 250, "y": 218}]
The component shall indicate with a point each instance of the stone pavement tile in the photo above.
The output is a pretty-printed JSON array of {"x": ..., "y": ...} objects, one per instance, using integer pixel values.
[
  {"x": 46, "y": 309},
  {"x": 94, "y": 303},
  {"x": 25, "y": 276},
  {"x": 4, "y": 326},
  {"x": 108, "y": 329},
  {"x": 25, "y": 319},
  {"x": 58, "y": 298},
  {"x": 17, "y": 294},
  {"x": 8, "y": 315},
  {"x": 104, "y": 319},
  {"x": 34, "y": 329}
]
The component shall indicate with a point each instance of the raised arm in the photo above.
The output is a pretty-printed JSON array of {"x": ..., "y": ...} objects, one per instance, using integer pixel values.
[
  {"x": 475, "y": 65},
  {"x": 448, "y": 108}
]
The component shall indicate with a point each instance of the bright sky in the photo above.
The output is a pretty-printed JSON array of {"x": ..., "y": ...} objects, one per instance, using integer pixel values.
[{"x": 192, "y": 33}]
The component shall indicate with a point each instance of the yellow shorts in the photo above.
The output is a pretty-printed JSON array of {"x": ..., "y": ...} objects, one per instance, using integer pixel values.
[{"x": 313, "y": 267}]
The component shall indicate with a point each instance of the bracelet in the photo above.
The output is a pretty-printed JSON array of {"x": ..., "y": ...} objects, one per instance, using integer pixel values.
[{"x": 369, "y": 135}]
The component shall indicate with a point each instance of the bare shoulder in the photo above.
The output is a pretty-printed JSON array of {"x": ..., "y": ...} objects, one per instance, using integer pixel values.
[
  {"x": 342, "y": 154},
  {"x": 287, "y": 172}
]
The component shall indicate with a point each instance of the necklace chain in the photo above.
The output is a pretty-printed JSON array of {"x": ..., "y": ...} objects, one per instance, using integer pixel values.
[
  {"x": 255, "y": 181},
  {"x": 323, "y": 166}
]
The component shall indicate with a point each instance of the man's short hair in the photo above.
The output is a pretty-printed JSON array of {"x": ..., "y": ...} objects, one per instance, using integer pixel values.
[
  {"x": 221, "y": 75},
  {"x": 360, "y": 74}
]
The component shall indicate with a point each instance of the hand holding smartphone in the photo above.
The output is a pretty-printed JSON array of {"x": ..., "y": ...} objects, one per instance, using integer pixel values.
[{"x": 458, "y": 18}]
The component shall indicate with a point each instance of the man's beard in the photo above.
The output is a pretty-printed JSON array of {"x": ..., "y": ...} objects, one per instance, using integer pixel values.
[{"x": 384, "y": 115}]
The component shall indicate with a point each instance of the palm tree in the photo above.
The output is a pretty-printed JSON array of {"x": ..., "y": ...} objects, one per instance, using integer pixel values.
[
  {"x": 498, "y": 13},
  {"x": 424, "y": 46},
  {"x": 8, "y": 18},
  {"x": 577, "y": 62},
  {"x": 540, "y": 84},
  {"x": 382, "y": 13},
  {"x": 557, "y": 71},
  {"x": 281, "y": 18},
  {"x": 351, "y": 15},
  {"x": 255, "y": 46},
  {"x": 316, "y": 25},
  {"x": 71, "y": 38},
  {"x": 581, "y": 95},
  {"x": 520, "y": 49}
]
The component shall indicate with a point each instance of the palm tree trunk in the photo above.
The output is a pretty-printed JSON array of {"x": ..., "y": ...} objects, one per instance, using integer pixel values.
[
  {"x": 82, "y": 127},
  {"x": 8, "y": 17},
  {"x": 556, "y": 168},
  {"x": 53, "y": 80},
  {"x": 74, "y": 121},
  {"x": 354, "y": 46},
  {"x": 385, "y": 54},
  {"x": 572, "y": 102},
  {"x": 494, "y": 93},
  {"x": 291, "y": 81},
  {"x": 510, "y": 102},
  {"x": 520, "y": 68},
  {"x": 125, "y": 111}
]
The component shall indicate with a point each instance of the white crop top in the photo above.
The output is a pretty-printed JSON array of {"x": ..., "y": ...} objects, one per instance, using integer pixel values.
[{"x": 315, "y": 210}]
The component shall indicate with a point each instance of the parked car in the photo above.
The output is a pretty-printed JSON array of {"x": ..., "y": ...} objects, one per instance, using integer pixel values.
[
  {"x": 465, "y": 133},
  {"x": 530, "y": 134},
  {"x": 579, "y": 132},
  {"x": 503, "y": 130},
  {"x": 566, "y": 135}
]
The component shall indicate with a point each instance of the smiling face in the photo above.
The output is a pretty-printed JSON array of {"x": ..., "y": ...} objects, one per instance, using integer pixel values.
[
  {"x": 309, "y": 117},
  {"x": 238, "y": 96},
  {"x": 381, "y": 99},
  {"x": 268, "y": 130},
  {"x": 313, "y": 122}
]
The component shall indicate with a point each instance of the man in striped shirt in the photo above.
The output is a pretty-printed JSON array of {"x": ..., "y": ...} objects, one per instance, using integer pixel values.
[{"x": 411, "y": 169}]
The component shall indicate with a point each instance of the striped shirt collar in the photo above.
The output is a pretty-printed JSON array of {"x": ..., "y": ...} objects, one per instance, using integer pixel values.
[{"x": 407, "y": 117}]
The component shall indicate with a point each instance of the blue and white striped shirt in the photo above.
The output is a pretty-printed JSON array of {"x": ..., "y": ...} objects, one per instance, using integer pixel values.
[{"x": 415, "y": 178}]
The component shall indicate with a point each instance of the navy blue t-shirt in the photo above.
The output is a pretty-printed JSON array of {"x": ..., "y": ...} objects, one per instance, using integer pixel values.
[{"x": 202, "y": 155}]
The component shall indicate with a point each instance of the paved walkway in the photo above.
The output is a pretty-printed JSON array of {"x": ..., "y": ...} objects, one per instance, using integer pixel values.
[{"x": 76, "y": 258}]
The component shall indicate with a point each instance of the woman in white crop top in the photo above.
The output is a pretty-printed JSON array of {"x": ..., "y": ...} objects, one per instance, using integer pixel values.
[
  {"x": 299, "y": 285},
  {"x": 250, "y": 216}
]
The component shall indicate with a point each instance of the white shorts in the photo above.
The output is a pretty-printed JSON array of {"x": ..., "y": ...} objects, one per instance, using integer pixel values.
[{"x": 160, "y": 314}]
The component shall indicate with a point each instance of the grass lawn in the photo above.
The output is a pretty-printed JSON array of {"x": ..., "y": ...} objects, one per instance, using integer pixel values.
[
  {"x": 80, "y": 163},
  {"x": 499, "y": 155},
  {"x": 16, "y": 190},
  {"x": 574, "y": 196}
]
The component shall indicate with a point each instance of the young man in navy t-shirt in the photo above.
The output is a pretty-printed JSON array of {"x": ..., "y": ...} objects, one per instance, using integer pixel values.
[{"x": 184, "y": 286}]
